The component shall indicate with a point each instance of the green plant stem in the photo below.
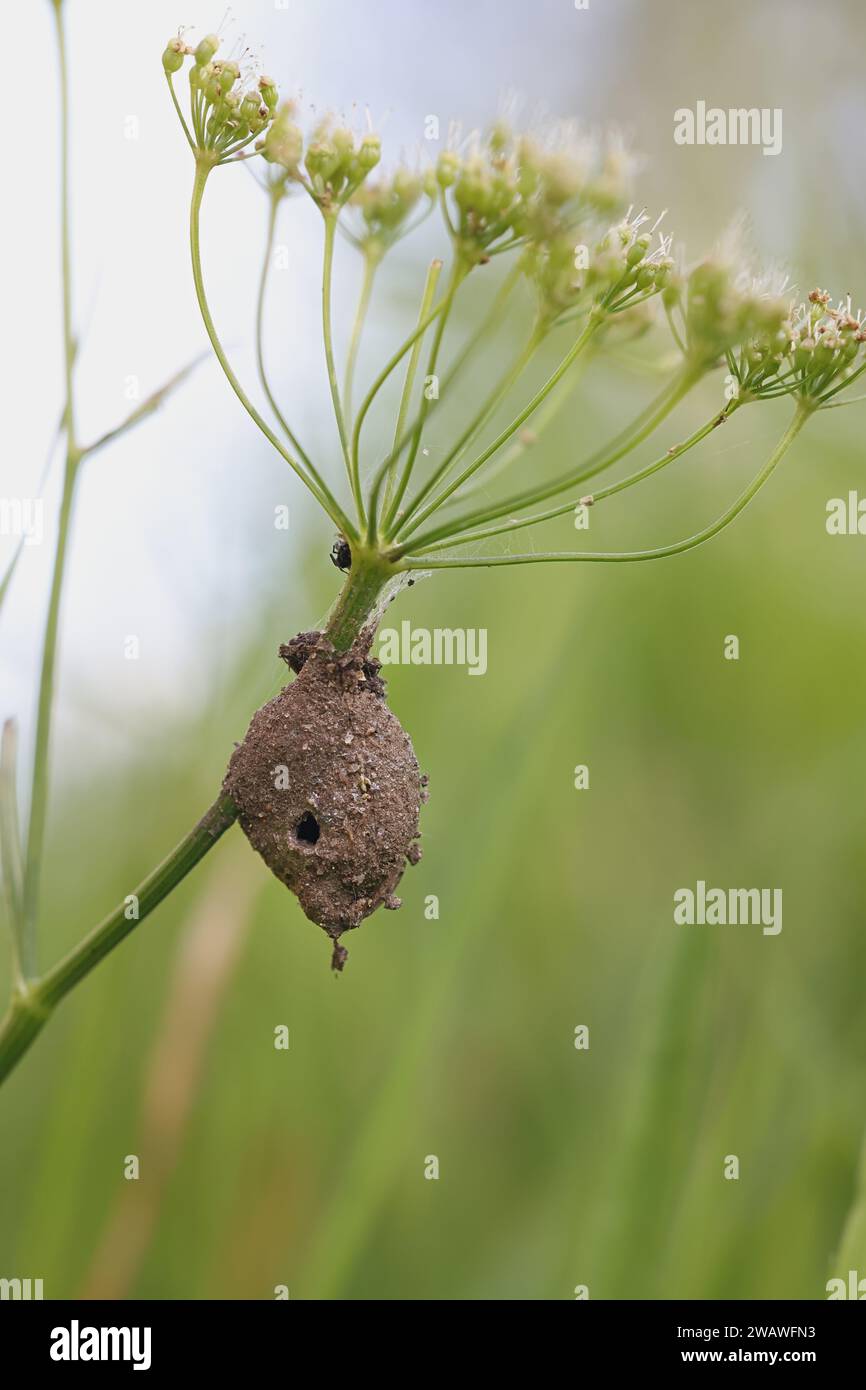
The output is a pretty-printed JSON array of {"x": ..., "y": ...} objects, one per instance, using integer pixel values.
[
  {"x": 458, "y": 275},
  {"x": 404, "y": 435},
  {"x": 491, "y": 318},
  {"x": 394, "y": 361},
  {"x": 496, "y": 396},
  {"x": 359, "y": 598},
  {"x": 42, "y": 744},
  {"x": 34, "y": 1002},
  {"x": 465, "y": 538},
  {"x": 581, "y": 342},
  {"x": 9, "y": 574},
  {"x": 189, "y": 140},
  {"x": 11, "y": 857},
  {"x": 645, "y": 424},
  {"x": 851, "y": 1253},
  {"x": 142, "y": 411},
  {"x": 552, "y": 407},
  {"x": 276, "y": 198},
  {"x": 427, "y": 297},
  {"x": 804, "y": 411},
  {"x": 372, "y": 260},
  {"x": 352, "y": 472},
  {"x": 834, "y": 405},
  {"x": 844, "y": 384},
  {"x": 45, "y": 708},
  {"x": 526, "y": 440},
  {"x": 313, "y": 481},
  {"x": 65, "y": 231}
]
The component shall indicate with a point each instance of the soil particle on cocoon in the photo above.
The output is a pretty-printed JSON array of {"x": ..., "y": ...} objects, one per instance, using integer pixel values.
[{"x": 328, "y": 787}]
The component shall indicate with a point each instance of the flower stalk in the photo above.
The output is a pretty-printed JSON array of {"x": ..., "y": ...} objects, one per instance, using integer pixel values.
[
  {"x": 358, "y": 601},
  {"x": 802, "y": 413},
  {"x": 277, "y": 192},
  {"x": 39, "y": 781},
  {"x": 313, "y": 481}
]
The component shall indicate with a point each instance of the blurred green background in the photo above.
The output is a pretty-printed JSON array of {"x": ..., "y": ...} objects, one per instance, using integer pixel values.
[{"x": 455, "y": 1037}]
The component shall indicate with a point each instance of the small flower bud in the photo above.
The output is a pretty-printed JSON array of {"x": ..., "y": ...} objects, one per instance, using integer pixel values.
[
  {"x": 823, "y": 353},
  {"x": 284, "y": 141},
  {"x": 343, "y": 141},
  {"x": 664, "y": 270},
  {"x": 199, "y": 76},
  {"x": 850, "y": 348},
  {"x": 499, "y": 138},
  {"x": 269, "y": 92},
  {"x": 637, "y": 252},
  {"x": 322, "y": 159},
  {"x": 250, "y": 106},
  {"x": 206, "y": 49},
  {"x": 447, "y": 168},
  {"x": 370, "y": 152},
  {"x": 228, "y": 75},
  {"x": 172, "y": 58}
]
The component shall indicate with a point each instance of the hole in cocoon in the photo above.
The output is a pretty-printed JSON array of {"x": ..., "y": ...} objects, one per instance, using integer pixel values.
[{"x": 307, "y": 828}]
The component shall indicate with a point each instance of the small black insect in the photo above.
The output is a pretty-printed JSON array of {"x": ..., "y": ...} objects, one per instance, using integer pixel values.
[{"x": 341, "y": 554}]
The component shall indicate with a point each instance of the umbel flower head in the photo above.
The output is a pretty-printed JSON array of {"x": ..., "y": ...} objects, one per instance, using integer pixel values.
[
  {"x": 625, "y": 266},
  {"x": 757, "y": 360},
  {"x": 621, "y": 269},
  {"x": 569, "y": 176},
  {"x": 724, "y": 310},
  {"x": 384, "y": 209},
  {"x": 733, "y": 313},
  {"x": 331, "y": 165},
  {"x": 825, "y": 351},
  {"x": 725, "y": 302},
  {"x": 506, "y": 190},
  {"x": 229, "y": 109},
  {"x": 284, "y": 141}
]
